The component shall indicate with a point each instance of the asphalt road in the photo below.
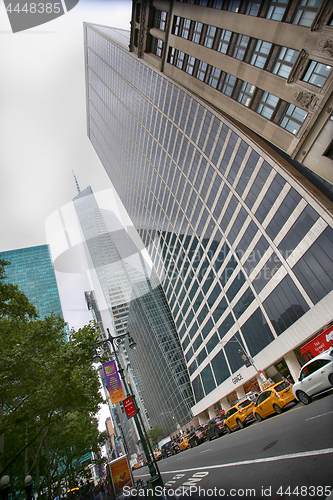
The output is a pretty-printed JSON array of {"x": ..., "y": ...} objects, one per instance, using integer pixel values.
[{"x": 286, "y": 456}]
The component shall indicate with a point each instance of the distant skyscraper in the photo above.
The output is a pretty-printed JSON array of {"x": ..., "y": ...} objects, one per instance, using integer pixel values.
[
  {"x": 32, "y": 270},
  {"x": 157, "y": 368}
]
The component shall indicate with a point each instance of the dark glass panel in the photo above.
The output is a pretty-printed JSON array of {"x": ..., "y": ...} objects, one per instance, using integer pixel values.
[
  {"x": 256, "y": 255},
  {"x": 197, "y": 389},
  {"x": 270, "y": 197},
  {"x": 315, "y": 269},
  {"x": 208, "y": 379},
  {"x": 285, "y": 209},
  {"x": 207, "y": 328},
  {"x": 256, "y": 332},
  {"x": 267, "y": 272},
  {"x": 202, "y": 356},
  {"x": 298, "y": 230},
  {"x": 226, "y": 325},
  {"x": 235, "y": 286},
  {"x": 246, "y": 299},
  {"x": 285, "y": 305},
  {"x": 231, "y": 350},
  {"x": 212, "y": 342},
  {"x": 220, "y": 309},
  {"x": 220, "y": 367}
]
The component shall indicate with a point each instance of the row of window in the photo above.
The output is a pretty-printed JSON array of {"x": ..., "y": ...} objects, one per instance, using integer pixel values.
[
  {"x": 282, "y": 113},
  {"x": 260, "y": 53},
  {"x": 301, "y": 12}
]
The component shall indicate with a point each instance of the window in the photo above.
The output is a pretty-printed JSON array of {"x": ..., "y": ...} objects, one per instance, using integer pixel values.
[
  {"x": 160, "y": 17},
  {"x": 217, "y": 4},
  {"x": 186, "y": 28},
  {"x": 224, "y": 41},
  {"x": 329, "y": 151},
  {"x": 276, "y": 10},
  {"x": 197, "y": 32},
  {"x": 234, "y": 5},
  {"x": 246, "y": 94},
  {"x": 172, "y": 54},
  {"x": 262, "y": 397},
  {"x": 252, "y": 8},
  {"x": 240, "y": 47},
  {"x": 260, "y": 54},
  {"x": 285, "y": 61},
  {"x": 190, "y": 65},
  {"x": 306, "y": 12},
  {"x": 293, "y": 119},
  {"x": 201, "y": 73},
  {"x": 179, "y": 59},
  {"x": 267, "y": 105},
  {"x": 317, "y": 73},
  {"x": 156, "y": 46},
  {"x": 210, "y": 35},
  {"x": 176, "y": 25},
  {"x": 214, "y": 77},
  {"x": 228, "y": 84}
]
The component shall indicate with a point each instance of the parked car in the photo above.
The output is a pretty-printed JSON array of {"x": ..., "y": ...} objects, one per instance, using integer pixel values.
[
  {"x": 169, "y": 448},
  {"x": 316, "y": 376},
  {"x": 273, "y": 400},
  {"x": 238, "y": 415},
  {"x": 215, "y": 428},
  {"x": 183, "y": 442},
  {"x": 197, "y": 437}
]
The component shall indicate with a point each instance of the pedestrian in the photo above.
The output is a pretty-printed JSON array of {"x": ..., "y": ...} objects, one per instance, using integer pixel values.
[{"x": 97, "y": 493}]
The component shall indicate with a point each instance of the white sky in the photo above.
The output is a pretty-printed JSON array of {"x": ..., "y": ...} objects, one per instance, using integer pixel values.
[
  {"x": 43, "y": 119},
  {"x": 43, "y": 135}
]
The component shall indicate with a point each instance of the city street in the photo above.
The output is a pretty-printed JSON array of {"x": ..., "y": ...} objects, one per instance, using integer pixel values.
[{"x": 285, "y": 456}]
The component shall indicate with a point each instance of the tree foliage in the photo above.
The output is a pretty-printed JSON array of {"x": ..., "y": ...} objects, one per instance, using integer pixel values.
[
  {"x": 49, "y": 393},
  {"x": 154, "y": 434}
]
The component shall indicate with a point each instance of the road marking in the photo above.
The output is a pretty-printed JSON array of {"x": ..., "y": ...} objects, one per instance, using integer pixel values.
[
  {"x": 311, "y": 418},
  {"x": 302, "y": 454},
  {"x": 205, "y": 451}
]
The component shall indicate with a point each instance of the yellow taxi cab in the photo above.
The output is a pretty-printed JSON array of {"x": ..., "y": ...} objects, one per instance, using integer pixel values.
[
  {"x": 157, "y": 454},
  {"x": 183, "y": 442},
  {"x": 238, "y": 415},
  {"x": 272, "y": 400}
]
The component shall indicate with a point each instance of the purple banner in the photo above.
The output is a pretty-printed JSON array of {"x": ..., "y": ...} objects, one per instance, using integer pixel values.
[{"x": 113, "y": 382}]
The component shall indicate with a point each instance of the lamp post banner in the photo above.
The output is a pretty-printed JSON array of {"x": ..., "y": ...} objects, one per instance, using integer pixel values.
[{"x": 113, "y": 382}]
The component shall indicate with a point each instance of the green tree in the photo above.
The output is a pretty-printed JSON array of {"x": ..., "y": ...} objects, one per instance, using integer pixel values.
[
  {"x": 49, "y": 392},
  {"x": 154, "y": 434}
]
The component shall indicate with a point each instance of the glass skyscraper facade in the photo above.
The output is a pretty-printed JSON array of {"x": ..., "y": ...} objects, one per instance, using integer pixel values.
[
  {"x": 240, "y": 241},
  {"x": 32, "y": 270},
  {"x": 156, "y": 369}
]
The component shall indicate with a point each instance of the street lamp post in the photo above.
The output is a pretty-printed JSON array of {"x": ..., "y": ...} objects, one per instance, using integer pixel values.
[{"x": 156, "y": 479}]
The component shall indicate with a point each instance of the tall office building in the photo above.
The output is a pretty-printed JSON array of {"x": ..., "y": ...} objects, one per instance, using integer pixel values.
[
  {"x": 32, "y": 270},
  {"x": 267, "y": 64},
  {"x": 240, "y": 239},
  {"x": 157, "y": 369}
]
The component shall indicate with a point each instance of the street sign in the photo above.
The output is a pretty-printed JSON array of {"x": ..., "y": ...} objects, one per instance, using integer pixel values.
[
  {"x": 244, "y": 357},
  {"x": 129, "y": 407}
]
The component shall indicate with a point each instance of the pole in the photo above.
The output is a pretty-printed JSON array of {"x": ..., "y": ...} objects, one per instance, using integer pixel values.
[{"x": 156, "y": 479}]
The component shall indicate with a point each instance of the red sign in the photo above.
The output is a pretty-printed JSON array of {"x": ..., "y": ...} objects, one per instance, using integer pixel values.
[
  {"x": 129, "y": 407},
  {"x": 321, "y": 343}
]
